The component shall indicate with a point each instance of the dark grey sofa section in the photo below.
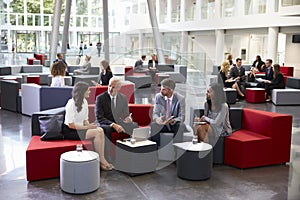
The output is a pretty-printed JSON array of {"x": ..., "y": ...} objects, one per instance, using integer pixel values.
[{"x": 292, "y": 82}]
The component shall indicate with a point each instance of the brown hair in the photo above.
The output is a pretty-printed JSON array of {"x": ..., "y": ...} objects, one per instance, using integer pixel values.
[
  {"x": 58, "y": 69},
  {"x": 276, "y": 70},
  {"x": 105, "y": 65}
]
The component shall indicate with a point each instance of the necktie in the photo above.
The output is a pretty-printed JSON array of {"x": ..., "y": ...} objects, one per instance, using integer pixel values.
[
  {"x": 113, "y": 106},
  {"x": 168, "y": 109}
]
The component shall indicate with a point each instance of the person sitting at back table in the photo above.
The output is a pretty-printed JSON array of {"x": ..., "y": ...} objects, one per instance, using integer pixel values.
[
  {"x": 85, "y": 68},
  {"x": 77, "y": 126},
  {"x": 58, "y": 71},
  {"x": 258, "y": 64},
  {"x": 238, "y": 71},
  {"x": 269, "y": 73},
  {"x": 216, "y": 116},
  {"x": 138, "y": 66},
  {"x": 152, "y": 66},
  {"x": 60, "y": 58},
  {"x": 112, "y": 111},
  {"x": 168, "y": 112},
  {"x": 105, "y": 74},
  {"x": 251, "y": 82},
  {"x": 229, "y": 82},
  {"x": 276, "y": 83}
]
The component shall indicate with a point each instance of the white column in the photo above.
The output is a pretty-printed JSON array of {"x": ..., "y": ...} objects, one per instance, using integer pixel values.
[
  {"x": 217, "y": 9},
  {"x": 55, "y": 29},
  {"x": 9, "y": 41},
  {"x": 169, "y": 11},
  {"x": 73, "y": 35},
  {"x": 157, "y": 9},
  {"x": 184, "y": 42},
  {"x": 270, "y": 6},
  {"x": 182, "y": 11},
  {"x": 219, "y": 46},
  {"x": 25, "y": 13},
  {"x": 106, "y": 29},
  {"x": 65, "y": 36},
  {"x": 141, "y": 37},
  {"x": 198, "y": 10},
  {"x": 273, "y": 43},
  {"x": 240, "y": 7}
]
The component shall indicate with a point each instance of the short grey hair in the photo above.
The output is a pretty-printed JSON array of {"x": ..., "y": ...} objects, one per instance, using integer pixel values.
[{"x": 169, "y": 83}]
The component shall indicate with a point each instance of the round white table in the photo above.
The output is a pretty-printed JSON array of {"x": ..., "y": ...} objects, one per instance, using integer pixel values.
[
  {"x": 79, "y": 172},
  {"x": 195, "y": 160}
]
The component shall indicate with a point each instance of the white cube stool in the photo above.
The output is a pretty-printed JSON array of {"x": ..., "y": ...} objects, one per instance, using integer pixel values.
[{"x": 79, "y": 172}]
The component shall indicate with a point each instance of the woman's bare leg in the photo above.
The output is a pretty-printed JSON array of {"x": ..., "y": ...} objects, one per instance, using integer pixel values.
[
  {"x": 202, "y": 133},
  {"x": 236, "y": 86},
  {"x": 99, "y": 142}
]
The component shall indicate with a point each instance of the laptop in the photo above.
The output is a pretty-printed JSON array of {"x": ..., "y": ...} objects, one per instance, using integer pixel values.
[{"x": 141, "y": 134}]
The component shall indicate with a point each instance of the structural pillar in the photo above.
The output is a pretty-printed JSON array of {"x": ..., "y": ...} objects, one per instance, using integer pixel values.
[
  {"x": 65, "y": 36},
  {"x": 55, "y": 29},
  {"x": 156, "y": 34},
  {"x": 141, "y": 37},
  {"x": 220, "y": 36},
  {"x": 273, "y": 43},
  {"x": 105, "y": 30}
]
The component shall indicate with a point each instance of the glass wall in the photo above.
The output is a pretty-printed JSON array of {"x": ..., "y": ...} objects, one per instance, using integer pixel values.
[{"x": 290, "y": 2}]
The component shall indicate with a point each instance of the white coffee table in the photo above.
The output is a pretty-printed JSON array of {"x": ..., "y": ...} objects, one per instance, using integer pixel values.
[
  {"x": 136, "y": 159},
  {"x": 194, "y": 160},
  {"x": 79, "y": 172}
]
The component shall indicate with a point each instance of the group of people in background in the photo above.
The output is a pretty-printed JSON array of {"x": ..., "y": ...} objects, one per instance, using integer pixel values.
[{"x": 233, "y": 76}]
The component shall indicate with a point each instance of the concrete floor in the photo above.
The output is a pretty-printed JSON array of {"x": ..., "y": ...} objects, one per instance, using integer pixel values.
[{"x": 277, "y": 182}]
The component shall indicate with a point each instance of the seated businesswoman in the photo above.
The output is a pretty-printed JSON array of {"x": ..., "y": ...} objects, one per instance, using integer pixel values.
[
  {"x": 76, "y": 125},
  {"x": 216, "y": 116},
  {"x": 58, "y": 71},
  {"x": 229, "y": 82},
  {"x": 105, "y": 74},
  {"x": 276, "y": 83}
]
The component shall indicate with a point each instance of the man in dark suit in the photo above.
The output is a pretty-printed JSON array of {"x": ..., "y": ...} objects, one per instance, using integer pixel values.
[
  {"x": 237, "y": 72},
  {"x": 269, "y": 70},
  {"x": 60, "y": 58},
  {"x": 138, "y": 66},
  {"x": 168, "y": 113},
  {"x": 112, "y": 112}
]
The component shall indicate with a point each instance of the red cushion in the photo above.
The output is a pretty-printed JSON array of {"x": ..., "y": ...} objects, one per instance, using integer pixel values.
[
  {"x": 288, "y": 71},
  {"x": 141, "y": 113},
  {"x": 42, "y": 157},
  {"x": 30, "y": 61},
  {"x": 33, "y": 79}
]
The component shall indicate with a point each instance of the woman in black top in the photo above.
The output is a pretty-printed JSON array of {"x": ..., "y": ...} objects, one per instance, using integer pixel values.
[
  {"x": 229, "y": 82},
  {"x": 259, "y": 64},
  {"x": 105, "y": 74},
  {"x": 276, "y": 83}
]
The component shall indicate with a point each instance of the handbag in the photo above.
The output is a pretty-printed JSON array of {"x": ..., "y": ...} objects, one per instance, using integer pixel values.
[{"x": 51, "y": 127}]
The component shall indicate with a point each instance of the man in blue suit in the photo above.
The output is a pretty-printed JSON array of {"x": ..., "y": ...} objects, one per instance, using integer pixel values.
[{"x": 168, "y": 112}]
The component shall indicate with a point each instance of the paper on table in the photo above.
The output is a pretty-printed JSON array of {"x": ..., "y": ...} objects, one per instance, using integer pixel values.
[{"x": 260, "y": 80}]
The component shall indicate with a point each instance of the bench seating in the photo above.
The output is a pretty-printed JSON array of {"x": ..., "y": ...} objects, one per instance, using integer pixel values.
[
  {"x": 264, "y": 139},
  {"x": 286, "y": 96}
]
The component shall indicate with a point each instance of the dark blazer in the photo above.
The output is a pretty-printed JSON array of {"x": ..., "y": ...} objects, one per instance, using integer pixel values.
[
  {"x": 234, "y": 72},
  {"x": 177, "y": 107},
  {"x": 104, "y": 79},
  {"x": 270, "y": 75},
  {"x": 260, "y": 63},
  {"x": 222, "y": 78},
  {"x": 150, "y": 63},
  {"x": 138, "y": 63},
  {"x": 103, "y": 111},
  {"x": 278, "y": 82}
]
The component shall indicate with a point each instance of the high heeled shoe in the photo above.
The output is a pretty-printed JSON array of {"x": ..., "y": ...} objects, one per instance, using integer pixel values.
[{"x": 106, "y": 167}]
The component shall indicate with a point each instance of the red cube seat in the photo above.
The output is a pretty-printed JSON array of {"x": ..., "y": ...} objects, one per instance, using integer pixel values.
[
  {"x": 255, "y": 95},
  {"x": 42, "y": 157}
]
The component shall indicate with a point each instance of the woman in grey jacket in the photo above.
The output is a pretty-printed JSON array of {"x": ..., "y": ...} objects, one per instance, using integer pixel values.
[
  {"x": 215, "y": 121},
  {"x": 85, "y": 68}
]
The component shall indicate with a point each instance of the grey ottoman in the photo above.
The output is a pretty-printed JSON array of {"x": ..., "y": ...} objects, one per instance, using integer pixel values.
[
  {"x": 292, "y": 82},
  {"x": 195, "y": 160},
  {"x": 286, "y": 96},
  {"x": 140, "y": 81},
  {"x": 230, "y": 95}
]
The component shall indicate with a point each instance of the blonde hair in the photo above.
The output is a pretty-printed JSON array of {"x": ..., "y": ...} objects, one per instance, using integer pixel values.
[
  {"x": 88, "y": 57},
  {"x": 225, "y": 67}
]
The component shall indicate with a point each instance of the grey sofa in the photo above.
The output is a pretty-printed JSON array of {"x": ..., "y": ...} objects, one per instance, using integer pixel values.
[
  {"x": 37, "y": 98},
  {"x": 10, "y": 98}
]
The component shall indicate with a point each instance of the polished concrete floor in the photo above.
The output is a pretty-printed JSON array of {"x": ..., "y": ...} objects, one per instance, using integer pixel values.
[{"x": 277, "y": 182}]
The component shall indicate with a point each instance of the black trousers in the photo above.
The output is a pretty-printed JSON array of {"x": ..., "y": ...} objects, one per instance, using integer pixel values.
[
  {"x": 108, "y": 130},
  {"x": 177, "y": 129}
]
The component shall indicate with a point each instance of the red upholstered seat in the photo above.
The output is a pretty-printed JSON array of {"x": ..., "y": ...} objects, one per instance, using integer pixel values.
[
  {"x": 288, "y": 71},
  {"x": 255, "y": 95},
  {"x": 30, "y": 61},
  {"x": 42, "y": 157},
  {"x": 33, "y": 79},
  {"x": 264, "y": 139},
  {"x": 128, "y": 71}
]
